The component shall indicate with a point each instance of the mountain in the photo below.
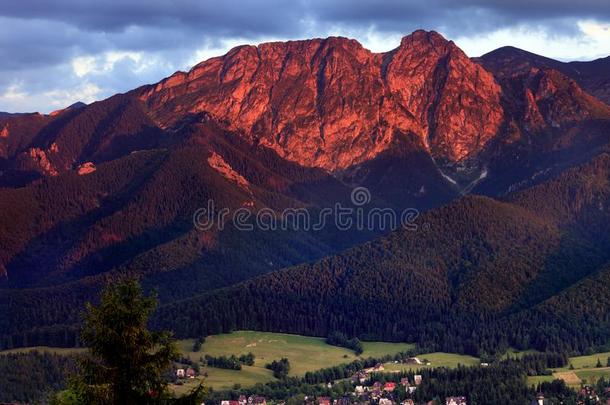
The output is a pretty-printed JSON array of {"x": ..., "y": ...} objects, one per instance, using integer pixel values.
[
  {"x": 593, "y": 76},
  {"x": 75, "y": 106},
  {"x": 93, "y": 192},
  {"x": 331, "y": 103},
  {"x": 551, "y": 124}
]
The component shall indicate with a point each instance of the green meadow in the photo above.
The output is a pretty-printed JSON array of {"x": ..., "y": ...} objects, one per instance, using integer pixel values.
[
  {"x": 46, "y": 349},
  {"x": 584, "y": 369},
  {"x": 438, "y": 359},
  {"x": 304, "y": 353},
  {"x": 310, "y": 353}
]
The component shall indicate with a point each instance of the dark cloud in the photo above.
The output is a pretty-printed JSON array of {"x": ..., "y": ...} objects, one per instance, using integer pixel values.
[
  {"x": 230, "y": 17},
  {"x": 276, "y": 17},
  {"x": 38, "y": 37},
  {"x": 459, "y": 17}
]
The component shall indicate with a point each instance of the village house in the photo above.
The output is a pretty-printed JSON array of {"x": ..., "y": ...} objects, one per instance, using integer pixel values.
[
  {"x": 345, "y": 400},
  {"x": 589, "y": 393},
  {"x": 413, "y": 360},
  {"x": 323, "y": 401},
  {"x": 540, "y": 400},
  {"x": 256, "y": 400},
  {"x": 455, "y": 401},
  {"x": 389, "y": 387},
  {"x": 375, "y": 369},
  {"x": 375, "y": 391},
  {"x": 360, "y": 377}
]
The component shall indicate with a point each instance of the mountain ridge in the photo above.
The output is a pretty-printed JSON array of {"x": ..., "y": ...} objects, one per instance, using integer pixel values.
[{"x": 592, "y": 75}]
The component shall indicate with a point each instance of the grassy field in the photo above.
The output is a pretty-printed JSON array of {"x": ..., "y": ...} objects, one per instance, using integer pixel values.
[
  {"x": 592, "y": 375},
  {"x": 304, "y": 353},
  {"x": 188, "y": 386},
  {"x": 590, "y": 361},
  {"x": 535, "y": 380},
  {"x": 514, "y": 353},
  {"x": 221, "y": 379},
  {"x": 247, "y": 376},
  {"x": 569, "y": 377},
  {"x": 380, "y": 349},
  {"x": 47, "y": 349},
  {"x": 584, "y": 369},
  {"x": 310, "y": 353},
  {"x": 449, "y": 360}
]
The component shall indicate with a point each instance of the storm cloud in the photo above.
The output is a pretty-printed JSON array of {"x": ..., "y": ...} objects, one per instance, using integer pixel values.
[{"x": 56, "y": 53}]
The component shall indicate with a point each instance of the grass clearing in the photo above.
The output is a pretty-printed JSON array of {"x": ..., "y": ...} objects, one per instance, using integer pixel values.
[
  {"x": 186, "y": 387},
  {"x": 537, "y": 379},
  {"x": 592, "y": 375},
  {"x": 66, "y": 351},
  {"x": 590, "y": 361},
  {"x": 305, "y": 353},
  {"x": 514, "y": 353},
  {"x": 247, "y": 376},
  {"x": 584, "y": 368},
  {"x": 380, "y": 349},
  {"x": 569, "y": 377},
  {"x": 221, "y": 379},
  {"x": 438, "y": 359}
]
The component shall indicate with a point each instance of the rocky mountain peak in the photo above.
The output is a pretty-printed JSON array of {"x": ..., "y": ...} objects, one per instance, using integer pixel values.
[
  {"x": 419, "y": 38},
  {"x": 332, "y": 103}
]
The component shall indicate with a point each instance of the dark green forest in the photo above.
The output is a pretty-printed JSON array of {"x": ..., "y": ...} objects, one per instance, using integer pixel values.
[
  {"x": 478, "y": 276},
  {"x": 33, "y": 376}
]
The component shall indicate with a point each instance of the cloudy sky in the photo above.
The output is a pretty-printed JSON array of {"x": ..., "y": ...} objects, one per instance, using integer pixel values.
[{"x": 54, "y": 53}]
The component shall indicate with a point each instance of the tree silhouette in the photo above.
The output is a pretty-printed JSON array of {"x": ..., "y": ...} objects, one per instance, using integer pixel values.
[{"x": 126, "y": 360}]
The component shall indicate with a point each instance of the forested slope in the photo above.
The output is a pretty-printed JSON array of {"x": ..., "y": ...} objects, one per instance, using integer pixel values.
[{"x": 478, "y": 274}]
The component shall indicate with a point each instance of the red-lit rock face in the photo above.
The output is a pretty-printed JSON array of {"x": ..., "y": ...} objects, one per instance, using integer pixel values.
[
  {"x": 331, "y": 103},
  {"x": 548, "y": 101},
  {"x": 561, "y": 101}
]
